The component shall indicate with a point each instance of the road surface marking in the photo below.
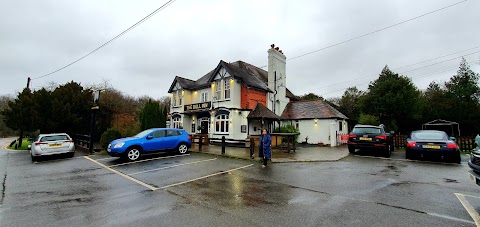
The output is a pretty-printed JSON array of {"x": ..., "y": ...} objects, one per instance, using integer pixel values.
[
  {"x": 100, "y": 159},
  {"x": 150, "y": 159},
  {"x": 471, "y": 196},
  {"x": 470, "y": 209},
  {"x": 211, "y": 175},
  {"x": 122, "y": 174},
  {"x": 405, "y": 160},
  {"x": 168, "y": 167}
]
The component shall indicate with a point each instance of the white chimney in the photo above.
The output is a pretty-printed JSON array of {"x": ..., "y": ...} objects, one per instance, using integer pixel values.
[{"x": 277, "y": 78}]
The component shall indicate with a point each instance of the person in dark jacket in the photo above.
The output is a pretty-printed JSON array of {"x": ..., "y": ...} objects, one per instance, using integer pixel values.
[{"x": 266, "y": 141}]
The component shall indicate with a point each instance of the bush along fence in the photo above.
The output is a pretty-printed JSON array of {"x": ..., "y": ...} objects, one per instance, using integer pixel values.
[
  {"x": 466, "y": 143},
  {"x": 204, "y": 140}
]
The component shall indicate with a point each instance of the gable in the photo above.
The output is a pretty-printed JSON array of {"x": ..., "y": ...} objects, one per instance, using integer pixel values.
[{"x": 221, "y": 74}]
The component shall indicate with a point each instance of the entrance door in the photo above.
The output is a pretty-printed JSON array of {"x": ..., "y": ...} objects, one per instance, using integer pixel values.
[{"x": 204, "y": 125}]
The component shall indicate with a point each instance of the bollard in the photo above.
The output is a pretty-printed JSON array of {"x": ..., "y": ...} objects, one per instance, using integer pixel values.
[
  {"x": 200, "y": 142},
  {"x": 223, "y": 145},
  {"x": 252, "y": 148}
]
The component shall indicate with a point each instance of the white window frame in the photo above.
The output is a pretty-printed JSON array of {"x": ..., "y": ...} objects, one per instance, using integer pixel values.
[
  {"x": 226, "y": 89},
  {"x": 176, "y": 122},
  {"x": 179, "y": 94},
  {"x": 204, "y": 96},
  {"x": 218, "y": 89},
  {"x": 222, "y": 124},
  {"x": 174, "y": 99}
]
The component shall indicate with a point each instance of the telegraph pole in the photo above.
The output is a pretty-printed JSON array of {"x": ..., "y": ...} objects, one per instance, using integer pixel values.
[{"x": 21, "y": 129}]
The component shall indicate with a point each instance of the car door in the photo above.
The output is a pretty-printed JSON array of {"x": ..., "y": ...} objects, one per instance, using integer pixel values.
[
  {"x": 171, "y": 141},
  {"x": 155, "y": 141}
]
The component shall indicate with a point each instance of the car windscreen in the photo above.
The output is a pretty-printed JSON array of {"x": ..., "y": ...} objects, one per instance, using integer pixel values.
[
  {"x": 143, "y": 133},
  {"x": 54, "y": 138},
  {"x": 429, "y": 135},
  {"x": 366, "y": 130}
]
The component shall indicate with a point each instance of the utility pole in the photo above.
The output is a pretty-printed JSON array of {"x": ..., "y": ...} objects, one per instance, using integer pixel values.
[
  {"x": 21, "y": 129},
  {"x": 28, "y": 82}
]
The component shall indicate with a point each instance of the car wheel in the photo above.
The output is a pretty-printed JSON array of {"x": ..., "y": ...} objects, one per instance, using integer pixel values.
[
  {"x": 34, "y": 159},
  {"x": 387, "y": 152},
  {"x": 132, "y": 154},
  {"x": 352, "y": 149},
  {"x": 182, "y": 148},
  {"x": 408, "y": 155},
  {"x": 71, "y": 154},
  {"x": 457, "y": 158}
]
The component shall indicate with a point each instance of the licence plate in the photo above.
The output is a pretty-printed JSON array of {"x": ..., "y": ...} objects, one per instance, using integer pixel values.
[
  {"x": 54, "y": 145},
  {"x": 365, "y": 138},
  {"x": 431, "y": 146}
]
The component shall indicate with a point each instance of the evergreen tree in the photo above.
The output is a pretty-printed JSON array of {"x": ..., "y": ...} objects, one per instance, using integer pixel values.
[{"x": 150, "y": 116}]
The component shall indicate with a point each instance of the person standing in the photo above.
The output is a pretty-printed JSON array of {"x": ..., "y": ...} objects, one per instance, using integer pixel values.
[{"x": 266, "y": 142}]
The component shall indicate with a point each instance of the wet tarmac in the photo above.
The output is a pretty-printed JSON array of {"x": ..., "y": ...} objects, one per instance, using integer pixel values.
[{"x": 206, "y": 190}]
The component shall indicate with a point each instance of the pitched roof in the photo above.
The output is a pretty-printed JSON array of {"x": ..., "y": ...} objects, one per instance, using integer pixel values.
[
  {"x": 260, "y": 111},
  {"x": 311, "y": 109},
  {"x": 249, "y": 74}
]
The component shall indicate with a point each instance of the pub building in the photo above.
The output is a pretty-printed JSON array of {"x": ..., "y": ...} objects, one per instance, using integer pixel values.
[{"x": 237, "y": 100}]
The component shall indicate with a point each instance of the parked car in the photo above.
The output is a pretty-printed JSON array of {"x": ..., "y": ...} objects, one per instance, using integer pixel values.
[
  {"x": 149, "y": 141},
  {"x": 432, "y": 143},
  {"x": 371, "y": 137},
  {"x": 52, "y": 144},
  {"x": 474, "y": 162}
]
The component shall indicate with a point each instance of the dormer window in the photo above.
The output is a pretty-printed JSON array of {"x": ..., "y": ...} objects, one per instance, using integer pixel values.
[{"x": 218, "y": 89}]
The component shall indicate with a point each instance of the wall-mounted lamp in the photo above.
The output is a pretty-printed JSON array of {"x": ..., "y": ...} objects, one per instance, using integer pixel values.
[{"x": 316, "y": 121}]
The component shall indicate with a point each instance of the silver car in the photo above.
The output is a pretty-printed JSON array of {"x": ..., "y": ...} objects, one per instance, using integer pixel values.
[{"x": 52, "y": 144}]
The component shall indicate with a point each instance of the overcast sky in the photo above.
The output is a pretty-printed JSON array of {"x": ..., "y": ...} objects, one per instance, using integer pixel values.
[{"x": 189, "y": 38}]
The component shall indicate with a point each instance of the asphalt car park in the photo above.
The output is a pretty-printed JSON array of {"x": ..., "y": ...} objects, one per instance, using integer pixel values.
[{"x": 207, "y": 190}]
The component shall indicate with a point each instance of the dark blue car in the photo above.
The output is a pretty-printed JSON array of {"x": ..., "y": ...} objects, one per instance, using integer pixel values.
[
  {"x": 432, "y": 144},
  {"x": 149, "y": 141}
]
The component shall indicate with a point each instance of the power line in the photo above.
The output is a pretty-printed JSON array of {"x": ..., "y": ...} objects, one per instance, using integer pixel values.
[
  {"x": 406, "y": 72},
  {"x": 111, "y": 40},
  {"x": 379, "y": 30},
  {"x": 436, "y": 58}
]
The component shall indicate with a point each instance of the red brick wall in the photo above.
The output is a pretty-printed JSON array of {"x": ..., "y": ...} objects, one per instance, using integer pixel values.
[{"x": 250, "y": 97}]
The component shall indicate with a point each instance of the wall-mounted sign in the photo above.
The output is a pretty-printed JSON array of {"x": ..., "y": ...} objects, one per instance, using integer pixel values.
[{"x": 197, "y": 106}]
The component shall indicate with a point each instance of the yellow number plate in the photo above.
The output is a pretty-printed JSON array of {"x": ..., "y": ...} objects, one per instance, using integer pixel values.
[
  {"x": 431, "y": 146},
  {"x": 365, "y": 138},
  {"x": 54, "y": 145}
]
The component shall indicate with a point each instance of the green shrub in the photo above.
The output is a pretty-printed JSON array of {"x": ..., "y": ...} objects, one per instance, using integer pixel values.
[
  {"x": 287, "y": 129},
  {"x": 366, "y": 119},
  {"x": 109, "y": 136}
]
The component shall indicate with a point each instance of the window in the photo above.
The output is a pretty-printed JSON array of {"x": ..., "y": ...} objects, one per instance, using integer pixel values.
[
  {"x": 204, "y": 96},
  {"x": 179, "y": 94},
  {"x": 173, "y": 133},
  {"x": 174, "y": 99},
  {"x": 297, "y": 125},
  {"x": 227, "y": 89},
  {"x": 221, "y": 123},
  {"x": 340, "y": 126},
  {"x": 158, "y": 134},
  {"x": 177, "y": 122},
  {"x": 218, "y": 89},
  {"x": 193, "y": 128}
]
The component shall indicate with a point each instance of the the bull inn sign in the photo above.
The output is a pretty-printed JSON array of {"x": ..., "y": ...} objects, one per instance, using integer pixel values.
[{"x": 197, "y": 106}]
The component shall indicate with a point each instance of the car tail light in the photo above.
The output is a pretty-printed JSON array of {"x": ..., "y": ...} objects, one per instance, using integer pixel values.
[
  {"x": 190, "y": 137},
  {"x": 352, "y": 135},
  {"x": 411, "y": 144},
  {"x": 39, "y": 143},
  {"x": 452, "y": 146},
  {"x": 69, "y": 141},
  {"x": 381, "y": 137}
]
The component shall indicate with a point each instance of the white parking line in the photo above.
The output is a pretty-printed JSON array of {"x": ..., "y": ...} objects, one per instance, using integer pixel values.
[
  {"x": 146, "y": 160},
  {"x": 168, "y": 167},
  {"x": 100, "y": 159},
  {"x": 470, "y": 209},
  {"x": 211, "y": 175},
  {"x": 122, "y": 174},
  {"x": 405, "y": 160}
]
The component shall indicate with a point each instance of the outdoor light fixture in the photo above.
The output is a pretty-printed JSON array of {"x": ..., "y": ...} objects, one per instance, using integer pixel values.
[{"x": 316, "y": 121}]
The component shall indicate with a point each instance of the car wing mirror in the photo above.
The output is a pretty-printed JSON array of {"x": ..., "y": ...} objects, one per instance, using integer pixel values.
[
  {"x": 392, "y": 132},
  {"x": 452, "y": 138},
  {"x": 29, "y": 147},
  {"x": 149, "y": 137}
]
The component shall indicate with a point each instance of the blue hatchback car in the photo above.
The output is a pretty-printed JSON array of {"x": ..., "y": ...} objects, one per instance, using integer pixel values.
[{"x": 149, "y": 141}]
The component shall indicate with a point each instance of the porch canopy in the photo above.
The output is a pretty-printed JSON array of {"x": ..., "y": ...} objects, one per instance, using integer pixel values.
[
  {"x": 263, "y": 114},
  {"x": 450, "y": 127}
]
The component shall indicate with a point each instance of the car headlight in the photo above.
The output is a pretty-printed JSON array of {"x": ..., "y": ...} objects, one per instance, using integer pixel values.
[{"x": 118, "y": 145}]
